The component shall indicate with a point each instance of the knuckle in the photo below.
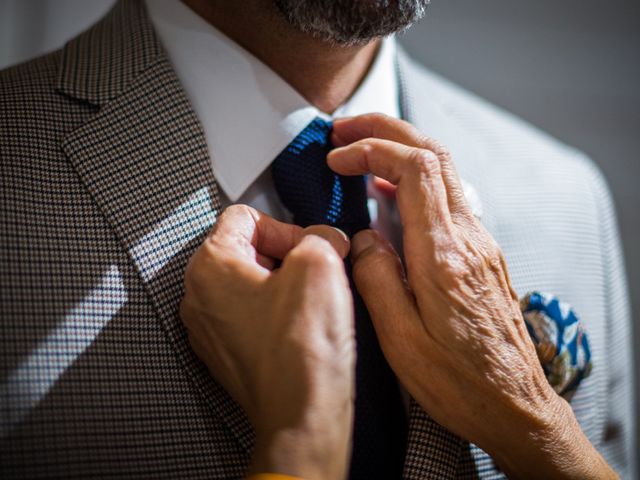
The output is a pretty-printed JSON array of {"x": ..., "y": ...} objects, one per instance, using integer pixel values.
[
  {"x": 495, "y": 259},
  {"x": 378, "y": 117},
  {"x": 374, "y": 261},
  {"x": 424, "y": 161},
  {"x": 239, "y": 208},
  {"x": 437, "y": 147},
  {"x": 315, "y": 252},
  {"x": 237, "y": 211},
  {"x": 367, "y": 146},
  {"x": 440, "y": 150},
  {"x": 457, "y": 261},
  {"x": 470, "y": 260},
  {"x": 378, "y": 121},
  {"x": 450, "y": 263},
  {"x": 423, "y": 140},
  {"x": 468, "y": 268},
  {"x": 474, "y": 262}
]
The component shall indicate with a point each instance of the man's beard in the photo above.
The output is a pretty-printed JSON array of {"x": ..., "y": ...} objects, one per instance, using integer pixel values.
[{"x": 351, "y": 22}]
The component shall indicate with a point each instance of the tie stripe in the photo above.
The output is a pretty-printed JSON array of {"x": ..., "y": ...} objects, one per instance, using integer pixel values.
[
  {"x": 311, "y": 191},
  {"x": 316, "y": 195}
]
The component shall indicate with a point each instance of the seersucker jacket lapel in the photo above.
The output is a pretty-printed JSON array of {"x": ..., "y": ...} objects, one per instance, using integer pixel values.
[{"x": 144, "y": 159}]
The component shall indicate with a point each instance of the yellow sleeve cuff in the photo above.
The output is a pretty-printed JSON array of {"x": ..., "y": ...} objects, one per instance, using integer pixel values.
[{"x": 272, "y": 476}]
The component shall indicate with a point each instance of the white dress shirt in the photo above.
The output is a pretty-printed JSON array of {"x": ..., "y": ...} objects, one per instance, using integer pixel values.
[{"x": 249, "y": 114}]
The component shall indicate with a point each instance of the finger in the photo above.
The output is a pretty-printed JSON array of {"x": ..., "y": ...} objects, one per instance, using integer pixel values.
[
  {"x": 386, "y": 188},
  {"x": 314, "y": 259},
  {"x": 250, "y": 233},
  {"x": 314, "y": 276},
  {"x": 336, "y": 237},
  {"x": 376, "y": 125},
  {"x": 379, "y": 278},
  {"x": 421, "y": 194},
  {"x": 268, "y": 263}
]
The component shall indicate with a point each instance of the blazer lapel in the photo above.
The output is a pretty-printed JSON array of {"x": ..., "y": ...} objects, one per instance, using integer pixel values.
[{"x": 144, "y": 159}]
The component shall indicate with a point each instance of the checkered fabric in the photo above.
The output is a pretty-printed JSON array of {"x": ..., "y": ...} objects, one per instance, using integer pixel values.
[{"x": 106, "y": 190}]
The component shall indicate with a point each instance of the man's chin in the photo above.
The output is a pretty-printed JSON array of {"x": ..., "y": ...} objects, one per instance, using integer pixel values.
[{"x": 351, "y": 22}]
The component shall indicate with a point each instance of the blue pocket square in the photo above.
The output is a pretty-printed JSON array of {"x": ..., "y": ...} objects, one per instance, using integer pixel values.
[{"x": 561, "y": 342}]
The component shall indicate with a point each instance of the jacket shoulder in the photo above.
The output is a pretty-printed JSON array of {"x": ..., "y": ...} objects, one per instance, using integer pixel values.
[
  {"x": 40, "y": 72},
  {"x": 509, "y": 140}
]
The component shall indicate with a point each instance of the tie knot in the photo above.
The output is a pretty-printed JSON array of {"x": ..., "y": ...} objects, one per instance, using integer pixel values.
[{"x": 311, "y": 190}]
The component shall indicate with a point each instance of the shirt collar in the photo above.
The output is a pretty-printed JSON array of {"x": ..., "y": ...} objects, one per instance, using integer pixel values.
[{"x": 248, "y": 113}]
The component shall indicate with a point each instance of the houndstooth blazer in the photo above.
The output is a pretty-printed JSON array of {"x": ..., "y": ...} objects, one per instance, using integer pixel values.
[{"x": 107, "y": 190}]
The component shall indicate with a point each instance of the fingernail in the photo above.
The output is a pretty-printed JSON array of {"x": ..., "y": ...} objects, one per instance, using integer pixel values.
[
  {"x": 342, "y": 234},
  {"x": 361, "y": 242},
  {"x": 343, "y": 248},
  {"x": 336, "y": 237}
]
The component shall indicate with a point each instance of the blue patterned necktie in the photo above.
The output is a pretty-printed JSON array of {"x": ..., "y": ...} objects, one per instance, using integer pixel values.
[{"x": 316, "y": 195}]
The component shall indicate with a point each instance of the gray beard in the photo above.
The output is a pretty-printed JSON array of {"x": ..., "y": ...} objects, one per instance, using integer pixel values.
[{"x": 351, "y": 22}]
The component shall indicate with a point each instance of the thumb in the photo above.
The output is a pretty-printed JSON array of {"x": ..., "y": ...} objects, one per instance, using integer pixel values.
[
  {"x": 379, "y": 278},
  {"x": 336, "y": 237}
]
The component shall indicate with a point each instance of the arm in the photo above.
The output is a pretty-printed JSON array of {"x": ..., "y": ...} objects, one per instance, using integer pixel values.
[
  {"x": 450, "y": 325},
  {"x": 280, "y": 340}
]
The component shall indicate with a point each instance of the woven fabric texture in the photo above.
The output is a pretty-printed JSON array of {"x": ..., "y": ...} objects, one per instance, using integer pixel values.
[{"x": 106, "y": 190}]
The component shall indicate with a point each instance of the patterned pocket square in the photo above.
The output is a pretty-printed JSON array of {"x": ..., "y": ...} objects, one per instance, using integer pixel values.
[{"x": 561, "y": 342}]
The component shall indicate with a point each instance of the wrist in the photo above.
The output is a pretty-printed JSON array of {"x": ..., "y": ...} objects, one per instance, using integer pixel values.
[
  {"x": 284, "y": 452},
  {"x": 549, "y": 442},
  {"x": 298, "y": 452}
]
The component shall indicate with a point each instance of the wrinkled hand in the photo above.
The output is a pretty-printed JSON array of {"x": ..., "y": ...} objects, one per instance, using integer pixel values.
[
  {"x": 280, "y": 341},
  {"x": 451, "y": 328}
]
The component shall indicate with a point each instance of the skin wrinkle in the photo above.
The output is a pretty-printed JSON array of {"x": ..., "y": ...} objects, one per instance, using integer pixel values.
[
  {"x": 475, "y": 339},
  {"x": 461, "y": 357}
]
